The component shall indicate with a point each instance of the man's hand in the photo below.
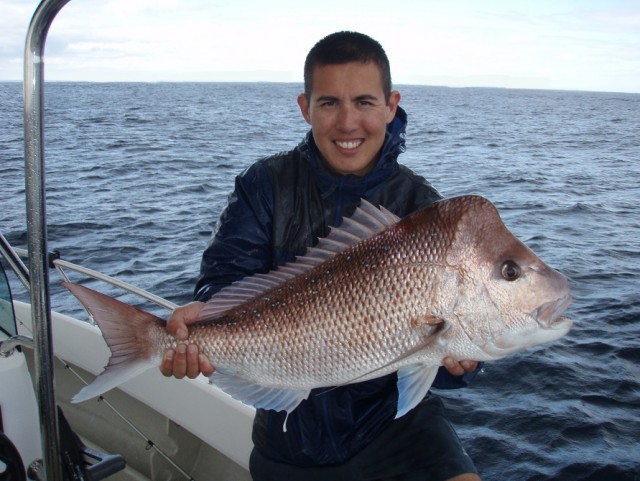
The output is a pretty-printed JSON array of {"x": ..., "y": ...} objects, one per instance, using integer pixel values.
[
  {"x": 459, "y": 368},
  {"x": 185, "y": 360}
]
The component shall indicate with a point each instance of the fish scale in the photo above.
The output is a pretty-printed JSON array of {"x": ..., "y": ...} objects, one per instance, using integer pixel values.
[{"x": 326, "y": 308}]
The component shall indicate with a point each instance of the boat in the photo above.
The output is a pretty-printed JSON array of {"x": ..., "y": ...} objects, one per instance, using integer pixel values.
[
  {"x": 151, "y": 427},
  {"x": 164, "y": 428}
]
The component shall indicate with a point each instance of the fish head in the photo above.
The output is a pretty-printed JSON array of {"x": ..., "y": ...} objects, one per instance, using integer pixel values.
[{"x": 507, "y": 298}]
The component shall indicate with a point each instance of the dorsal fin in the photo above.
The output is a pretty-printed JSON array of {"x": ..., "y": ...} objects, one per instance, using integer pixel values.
[{"x": 366, "y": 222}]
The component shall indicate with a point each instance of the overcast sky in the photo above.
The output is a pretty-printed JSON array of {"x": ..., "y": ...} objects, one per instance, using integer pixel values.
[{"x": 557, "y": 44}]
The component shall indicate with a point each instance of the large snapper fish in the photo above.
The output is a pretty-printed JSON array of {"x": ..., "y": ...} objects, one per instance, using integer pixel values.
[{"x": 377, "y": 295}]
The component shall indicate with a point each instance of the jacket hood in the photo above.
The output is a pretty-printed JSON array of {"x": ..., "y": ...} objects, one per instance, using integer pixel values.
[{"x": 352, "y": 187}]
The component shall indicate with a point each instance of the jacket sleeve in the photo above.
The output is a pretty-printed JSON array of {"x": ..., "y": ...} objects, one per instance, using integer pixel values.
[{"x": 241, "y": 243}]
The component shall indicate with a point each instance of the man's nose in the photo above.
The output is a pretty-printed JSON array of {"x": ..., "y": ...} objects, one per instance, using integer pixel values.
[{"x": 347, "y": 118}]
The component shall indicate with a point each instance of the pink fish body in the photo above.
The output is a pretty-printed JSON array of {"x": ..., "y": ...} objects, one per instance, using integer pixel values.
[{"x": 378, "y": 295}]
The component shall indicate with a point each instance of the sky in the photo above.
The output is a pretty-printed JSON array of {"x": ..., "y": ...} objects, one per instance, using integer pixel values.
[{"x": 542, "y": 44}]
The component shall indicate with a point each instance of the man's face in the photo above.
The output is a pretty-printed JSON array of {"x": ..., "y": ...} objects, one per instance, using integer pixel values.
[{"x": 348, "y": 115}]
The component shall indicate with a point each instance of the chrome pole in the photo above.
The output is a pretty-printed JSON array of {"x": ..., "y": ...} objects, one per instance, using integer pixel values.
[{"x": 37, "y": 231}]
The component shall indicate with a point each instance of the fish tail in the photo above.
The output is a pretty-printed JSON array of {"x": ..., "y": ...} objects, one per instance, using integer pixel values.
[{"x": 126, "y": 330}]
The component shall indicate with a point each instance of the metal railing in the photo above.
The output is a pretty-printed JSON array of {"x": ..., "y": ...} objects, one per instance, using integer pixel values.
[{"x": 33, "y": 85}]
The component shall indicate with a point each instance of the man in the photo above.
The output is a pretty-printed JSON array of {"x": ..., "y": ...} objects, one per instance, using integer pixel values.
[{"x": 279, "y": 207}]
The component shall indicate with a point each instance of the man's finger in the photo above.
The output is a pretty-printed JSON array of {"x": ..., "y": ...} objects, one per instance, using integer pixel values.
[
  {"x": 192, "y": 367},
  {"x": 469, "y": 366},
  {"x": 453, "y": 366},
  {"x": 180, "y": 361},
  {"x": 205, "y": 366},
  {"x": 166, "y": 366}
]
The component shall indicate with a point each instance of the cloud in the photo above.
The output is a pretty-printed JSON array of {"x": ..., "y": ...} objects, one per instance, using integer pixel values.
[{"x": 566, "y": 44}]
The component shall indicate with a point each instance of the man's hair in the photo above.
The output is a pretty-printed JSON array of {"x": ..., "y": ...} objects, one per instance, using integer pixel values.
[{"x": 345, "y": 47}]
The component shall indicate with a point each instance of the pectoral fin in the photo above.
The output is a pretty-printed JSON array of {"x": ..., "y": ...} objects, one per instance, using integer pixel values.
[{"x": 414, "y": 382}]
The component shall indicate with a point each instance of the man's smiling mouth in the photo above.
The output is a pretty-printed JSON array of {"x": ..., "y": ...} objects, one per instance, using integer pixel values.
[{"x": 348, "y": 144}]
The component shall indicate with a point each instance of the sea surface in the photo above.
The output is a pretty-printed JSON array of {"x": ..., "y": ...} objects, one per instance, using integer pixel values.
[{"x": 137, "y": 174}]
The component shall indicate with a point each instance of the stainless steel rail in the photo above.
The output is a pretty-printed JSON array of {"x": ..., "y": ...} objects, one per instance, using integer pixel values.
[
  {"x": 33, "y": 85},
  {"x": 16, "y": 264},
  {"x": 8, "y": 345},
  {"x": 61, "y": 264}
]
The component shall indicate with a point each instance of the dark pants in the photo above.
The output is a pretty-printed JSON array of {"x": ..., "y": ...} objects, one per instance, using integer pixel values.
[{"x": 420, "y": 446}]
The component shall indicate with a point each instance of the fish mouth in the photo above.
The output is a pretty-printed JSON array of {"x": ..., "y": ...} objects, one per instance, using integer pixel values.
[
  {"x": 548, "y": 325},
  {"x": 549, "y": 314}
]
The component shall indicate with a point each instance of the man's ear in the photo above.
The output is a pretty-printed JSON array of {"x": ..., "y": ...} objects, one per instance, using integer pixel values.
[
  {"x": 303, "y": 103},
  {"x": 394, "y": 100}
]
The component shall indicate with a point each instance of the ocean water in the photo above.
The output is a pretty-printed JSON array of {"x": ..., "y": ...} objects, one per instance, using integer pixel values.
[{"x": 138, "y": 173}]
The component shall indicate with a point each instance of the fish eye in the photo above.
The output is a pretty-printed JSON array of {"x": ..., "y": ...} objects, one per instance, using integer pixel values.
[{"x": 510, "y": 271}]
